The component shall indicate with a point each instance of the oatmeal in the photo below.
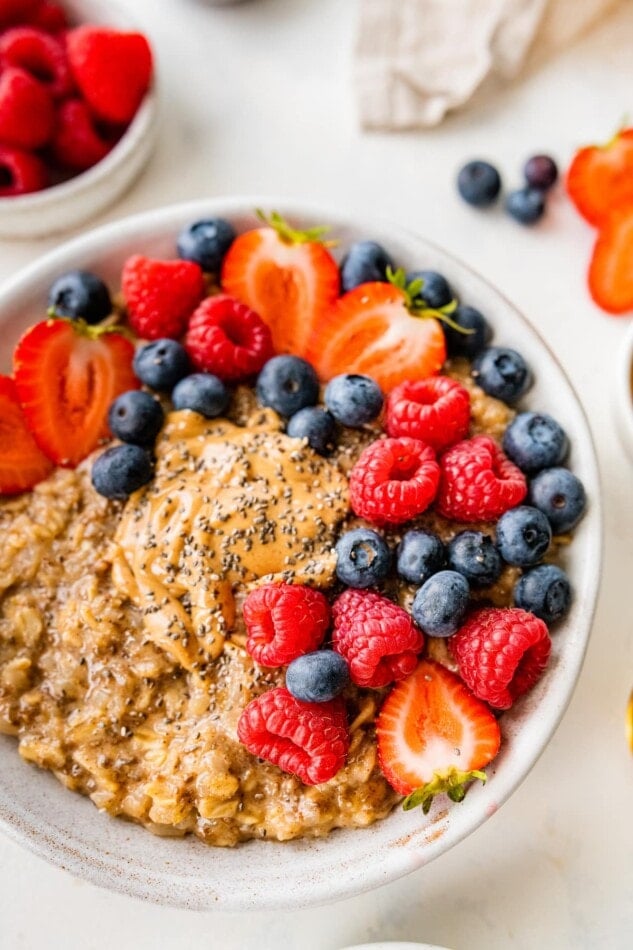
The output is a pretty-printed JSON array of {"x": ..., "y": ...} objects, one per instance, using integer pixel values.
[{"x": 94, "y": 683}]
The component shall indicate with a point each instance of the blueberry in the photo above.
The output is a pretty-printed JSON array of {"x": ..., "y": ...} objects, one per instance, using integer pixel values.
[
  {"x": 353, "y": 400},
  {"x": 474, "y": 555},
  {"x": 203, "y": 393},
  {"x": 136, "y": 417},
  {"x": 526, "y": 205},
  {"x": 365, "y": 261},
  {"x": 287, "y": 384},
  {"x": 436, "y": 291},
  {"x": 121, "y": 470},
  {"x": 363, "y": 558},
  {"x": 523, "y": 536},
  {"x": 479, "y": 183},
  {"x": 161, "y": 364},
  {"x": 534, "y": 441},
  {"x": 206, "y": 243},
  {"x": 80, "y": 294},
  {"x": 502, "y": 373},
  {"x": 316, "y": 425},
  {"x": 440, "y": 604},
  {"x": 419, "y": 555},
  {"x": 467, "y": 344},
  {"x": 540, "y": 171},
  {"x": 545, "y": 591},
  {"x": 560, "y": 495},
  {"x": 317, "y": 677}
]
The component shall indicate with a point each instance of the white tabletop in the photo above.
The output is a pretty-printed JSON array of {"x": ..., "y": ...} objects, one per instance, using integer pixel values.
[{"x": 258, "y": 99}]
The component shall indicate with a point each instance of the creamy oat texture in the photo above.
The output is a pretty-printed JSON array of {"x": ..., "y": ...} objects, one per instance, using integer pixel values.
[{"x": 122, "y": 661}]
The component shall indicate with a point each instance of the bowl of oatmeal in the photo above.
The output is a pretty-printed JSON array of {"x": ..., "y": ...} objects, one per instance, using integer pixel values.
[{"x": 109, "y": 702}]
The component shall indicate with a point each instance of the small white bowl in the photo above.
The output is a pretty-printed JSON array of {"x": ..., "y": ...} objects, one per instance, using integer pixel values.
[
  {"x": 81, "y": 198},
  {"x": 67, "y": 829},
  {"x": 623, "y": 393}
]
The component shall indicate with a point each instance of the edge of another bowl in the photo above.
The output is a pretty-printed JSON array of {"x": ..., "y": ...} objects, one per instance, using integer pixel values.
[{"x": 78, "y": 199}]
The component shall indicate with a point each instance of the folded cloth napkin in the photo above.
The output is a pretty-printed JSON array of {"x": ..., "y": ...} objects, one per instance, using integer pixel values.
[{"x": 418, "y": 59}]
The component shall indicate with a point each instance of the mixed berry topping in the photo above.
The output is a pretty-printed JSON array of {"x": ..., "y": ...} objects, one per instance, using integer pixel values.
[{"x": 451, "y": 531}]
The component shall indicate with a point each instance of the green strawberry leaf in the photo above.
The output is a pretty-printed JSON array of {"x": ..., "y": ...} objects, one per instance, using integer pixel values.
[{"x": 451, "y": 781}]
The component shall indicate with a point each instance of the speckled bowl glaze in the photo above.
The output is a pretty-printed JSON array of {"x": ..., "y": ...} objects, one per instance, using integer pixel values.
[
  {"x": 81, "y": 198},
  {"x": 67, "y": 830}
]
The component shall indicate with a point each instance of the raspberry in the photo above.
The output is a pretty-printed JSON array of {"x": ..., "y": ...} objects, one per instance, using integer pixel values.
[
  {"x": 27, "y": 116},
  {"x": 77, "y": 144},
  {"x": 228, "y": 339},
  {"x": 478, "y": 482},
  {"x": 49, "y": 16},
  {"x": 20, "y": 172},
  {"x": 394, "y": 480},
  {"x": 435, "y": 410},
  {"x": 284, "y": 621},
  {"x": 160, "y": 295},
  {"x": 309, "y": 740},
  {"x": 501, "y": 653},
  {"x": 378, "y": 639},
  {"x": 40, "y": 55},
  {"x": 16, "y": 11},
  {"x": 113, "y": 70}
]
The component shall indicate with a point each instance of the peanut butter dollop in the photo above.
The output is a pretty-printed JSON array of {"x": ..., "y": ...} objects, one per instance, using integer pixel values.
[{"x": 229, "y": 507}]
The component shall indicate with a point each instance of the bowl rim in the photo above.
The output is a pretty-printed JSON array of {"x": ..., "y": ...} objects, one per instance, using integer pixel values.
[
  {"x": 71, "y": 188},
  {"x": 623, "y": 391},
  {"x": 166, "y": 887}
]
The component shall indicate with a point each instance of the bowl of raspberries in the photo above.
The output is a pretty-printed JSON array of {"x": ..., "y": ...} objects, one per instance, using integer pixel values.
[
  {"x": 77, "y": 112},
  {"x": 383, "y": 482}
]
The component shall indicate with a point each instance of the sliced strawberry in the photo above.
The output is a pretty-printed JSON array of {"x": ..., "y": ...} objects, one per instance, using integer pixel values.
[
  {"x": 373, "y": 329},
  {"x": 611, "y": 267},
  {"x": 22, "y": 464},
  {"x": 66, "y": 375},
  {"x": 600, "y": 177},
  {"x": 288, "y": 277},
  {"x": 434, "y": 736}
]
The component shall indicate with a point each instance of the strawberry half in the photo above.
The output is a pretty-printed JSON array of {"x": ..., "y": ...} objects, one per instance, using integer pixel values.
[
  {"x": 66, "y": 374},
  {"x": 434, "y": 736},
  {"x": 600, "y": 177},
  {"x": 286, "y": 276},
  {"x": 376, "y": 329},
  {"x": 22, "y": 464},
  {"x": 611, "y": 267}
]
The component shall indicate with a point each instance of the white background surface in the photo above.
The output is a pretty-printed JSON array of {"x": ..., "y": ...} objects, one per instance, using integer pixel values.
[{"x": 258, "y": 98}]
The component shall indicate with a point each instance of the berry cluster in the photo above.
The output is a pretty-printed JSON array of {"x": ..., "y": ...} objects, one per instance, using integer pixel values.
[
  {"x": 439, "y": 511},
  {"x": 67, "y": 94},
  {"x": 479, "y": 184}
]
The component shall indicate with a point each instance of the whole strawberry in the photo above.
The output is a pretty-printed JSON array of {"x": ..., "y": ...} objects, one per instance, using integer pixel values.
[
  {"x": 27, "y": 115},
  {"x": 160, "y": 295},
  {"x": 113, "y": 70}
]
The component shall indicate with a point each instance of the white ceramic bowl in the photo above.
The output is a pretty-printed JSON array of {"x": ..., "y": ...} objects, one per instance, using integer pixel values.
[
  {"x": 80, "y": 199},
  {"x": 67, "y": 829},
  {"x": 623, "y": 392}
]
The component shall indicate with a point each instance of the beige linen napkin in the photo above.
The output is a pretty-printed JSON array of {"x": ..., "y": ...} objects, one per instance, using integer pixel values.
[{"x": 418, "y": 59}]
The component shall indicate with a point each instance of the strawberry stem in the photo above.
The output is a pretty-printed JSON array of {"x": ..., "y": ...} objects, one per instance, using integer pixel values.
[
  {"x": 290, "y": 235},
  {"x": 91, "y": 330},
  {"x": 415, "y": 303},
  {"x": 451, "y": 781}
]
